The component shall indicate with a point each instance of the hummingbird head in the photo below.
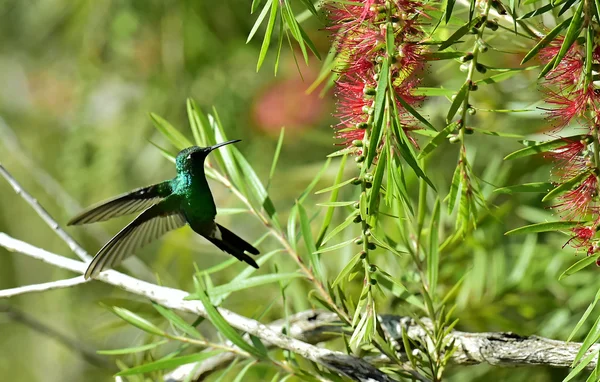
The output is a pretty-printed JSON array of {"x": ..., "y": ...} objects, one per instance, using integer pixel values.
[{"x": 193, "y": 157}]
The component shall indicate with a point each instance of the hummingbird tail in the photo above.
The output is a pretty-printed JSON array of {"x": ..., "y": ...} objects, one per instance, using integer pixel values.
[{"x": 234, "y": 245}]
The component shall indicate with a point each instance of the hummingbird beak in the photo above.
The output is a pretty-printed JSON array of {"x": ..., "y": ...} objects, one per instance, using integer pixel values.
[{"x": 211, "y": 148}]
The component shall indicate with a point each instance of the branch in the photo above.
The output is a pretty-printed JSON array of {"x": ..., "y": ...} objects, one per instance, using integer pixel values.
[
  {"x": 494, "y": 348},
  {"x": 6, "y": 293},
  {"x": 354, "y": 368}
]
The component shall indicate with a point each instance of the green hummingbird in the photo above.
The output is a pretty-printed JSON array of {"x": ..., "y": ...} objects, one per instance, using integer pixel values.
[{"x": 185, "y": 199}]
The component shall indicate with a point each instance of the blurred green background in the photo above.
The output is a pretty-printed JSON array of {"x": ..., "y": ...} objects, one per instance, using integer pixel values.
[{"x": 77, "y": 81}]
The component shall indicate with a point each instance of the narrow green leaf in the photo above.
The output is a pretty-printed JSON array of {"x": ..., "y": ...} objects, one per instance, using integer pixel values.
[
  {"x": 433, "y": 258},
  {"x": 223, "y": 326},
  {"x": 379, "y": 109},
  {"x": 136, "y": 349},
  {"x": 592, "y": 337},
  {"x": 177, "y": 321},
  {"x": 269, "y": 32},
  {"x": 240, "y": 376},
  {"x": 172, "y": 134},
  {"x": 497, "y": 78},
  {"x": 340, "y": 227},
  {"x": 309, "y": 242},
  {"x": 538, "y": 11},
  {"x": 259, "y": 20},
  {"x": 137, "y": 321},
  {"x": 336, "y": 246},
  {"x": 433, "y": 92},
  {"x": 572, "y": 33},
  {"x": 496, "y": 133},
  {"x": 458, "y": 34},
  {"x": 567, "y": 186},
  {"x": 457, "y": 101},
  {"x": 541, "y": 187},
  {"x": 579, "y": 265},
  {"x": 586, "y": 314},
  {"x": 448, "y": 10},
  {"x": 255, "y": 5},
  {"x": 310, "y": 6},
  {"x": 169, "y": 363},
  {"x": 195, "y": 124},
  {"x": 331, "y": 204},
  {"x": 548, "y": 38},
  {"x": 336, "y": 186},
  {"x": 435, "y": 56},
  {"x": 337, "y": 204},
  {"x": 412, "y": 111},
  {"x": 250, "y": 283},
  {"x": 276, "y": 156},
  {"x": 437, "y": 140},
  {"x": 397, "y": 289},
  {"x": 374, "y": 198},
  {"x": 584, "y": 362},
  {"x": 544, "y": 227},
  {"x": 545, "y": 146},
  {"x": 454, "y": 186}
]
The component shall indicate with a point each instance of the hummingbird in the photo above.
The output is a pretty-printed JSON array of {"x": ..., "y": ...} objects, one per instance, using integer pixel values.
[{"x": 165, "y": 206}]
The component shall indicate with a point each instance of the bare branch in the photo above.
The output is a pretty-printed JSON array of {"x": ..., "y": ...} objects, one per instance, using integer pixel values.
[
  {"x": 494, "y": 348},
  {"x": 355, "y": 368},
  {"x": 6, "y": 293}
]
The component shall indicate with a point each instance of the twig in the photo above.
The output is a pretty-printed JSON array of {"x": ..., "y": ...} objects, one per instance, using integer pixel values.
[
  {"x": 6, "y": 293},
  {"x": 354, "y": 368},
  {"x": 77, "y": 347},
  {"x": 76, "y": 248}
]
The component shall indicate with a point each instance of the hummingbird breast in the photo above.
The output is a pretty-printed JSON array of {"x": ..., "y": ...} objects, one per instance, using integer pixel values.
[{"x": 197, "y": 202}]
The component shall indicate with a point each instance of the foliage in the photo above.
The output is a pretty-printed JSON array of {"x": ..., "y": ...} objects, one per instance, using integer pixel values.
[{"x": 436, "y": 206}]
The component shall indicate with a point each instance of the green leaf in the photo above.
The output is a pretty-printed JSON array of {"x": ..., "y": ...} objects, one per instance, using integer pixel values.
[
  {"x": 567, "y": 186},
  {"x": 454, "y": 186},
  {"x": 539, "y": 11},
  {"x": 374, "y": 198},
  {"x": 249, "y": 283},
  {"x": 572, "y": 33},
  {"x": 579, "y": 265},
  {"x": 345, "y": 272},
  {"x": 545, "y": 227},
  {"x": 586, "y": 314},
  {"x": 433, "y": 92},
  {"x": 313, "y": 256},
  {"x": 337, "y": 204},
  {"x": 336, "y": 186},
  {"x": 448, "y": 10},
  {"x": 349, "y": 220},
  {"x": 169, "y": 363},
  {"x": 268, "y": 33},
  {"x": 172, "y": 134},
  {"x": 412, "y": 111},
  {"x": 457, "y": 101},
  {"x": 434, "y": 56},
  {"x": 256, "y": 187},
  {"x": 332, "y": 203},
  {"x": 545, "y": 146},
  {"x": 195, "y": 123},
  {"x": 433, "y": 258},
  {"x": 136, "y": 349},
  {"x": 548, "y": 38},
  {"x": 397, "y": 289},
  {"x": 497, "y": 78},
  {"x": 581, "y": 366},
  {"x": 177, "y": 321},
  {"x": 496, "y": 133},
  {"x": 379, "y": 108},
  {"x": 592, "y": 337},
  {"x": 276, "y": 156},
  {"x": 137, "y": 321},
  {"x": 223, "y": 326},
  {"x": 437, "y": 140},
  {"x": 336, "y": 246},
  {"x": 458, "y": 34},
  {"x": 541, "y": 187}
]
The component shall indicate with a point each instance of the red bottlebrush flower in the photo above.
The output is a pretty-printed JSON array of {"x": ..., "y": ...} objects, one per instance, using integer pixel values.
[
  {"x": 569, "y": 105},
  {"x": 582, "y": 238},
  {"x": 579, "y": 201},
  {"x": 569, "y": 158},
  {"x": 569, "y": 69},
  {"x": 360, "y": 40}
]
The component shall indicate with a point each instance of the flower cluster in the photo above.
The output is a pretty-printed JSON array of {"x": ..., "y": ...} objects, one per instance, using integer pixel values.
[
  {"x": 360, "y": 30},
  {"x": 573, "y": 97}
]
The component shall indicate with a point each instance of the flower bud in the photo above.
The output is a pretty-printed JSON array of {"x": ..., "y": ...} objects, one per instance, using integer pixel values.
[
  {"x": 363, "y": 255},
  {"x": 357, "y": 143},
  {"x": 467, "y": 57},
  {"x": 371, "y": 246},
  {"x": 358, "y": 241},
  {"x": 481, "y": 68},
  {"x": 453, "y": 138},
  {"x": 357, "y": 219},
  {"x": 492, "y": 24},
  {"x": 372, "y": 268},
  {"x": 360, "y": 158}
]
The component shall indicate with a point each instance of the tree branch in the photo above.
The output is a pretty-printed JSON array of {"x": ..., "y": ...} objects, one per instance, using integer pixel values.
[
  {"x": 494, "y": 348},
  {"x": 354, "y": 368},
  {"x": 6, "y": 293}
]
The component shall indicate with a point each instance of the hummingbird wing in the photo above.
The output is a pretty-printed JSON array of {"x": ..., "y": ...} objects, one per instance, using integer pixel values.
[
  {"x": 149, "y": 225},
  {"x": 124, "y": 204},
  {"x": 228, "y": 241}
]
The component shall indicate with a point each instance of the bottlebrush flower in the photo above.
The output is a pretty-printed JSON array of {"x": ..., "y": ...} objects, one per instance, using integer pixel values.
[
  {"x": 579, "y": 202},
  {"x": 582, "y": 237},
  {"x": 359, "y": 34}
]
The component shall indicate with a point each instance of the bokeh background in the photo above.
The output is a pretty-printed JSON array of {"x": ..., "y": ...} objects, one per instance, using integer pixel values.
[{"x": 77, "y": 82}]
